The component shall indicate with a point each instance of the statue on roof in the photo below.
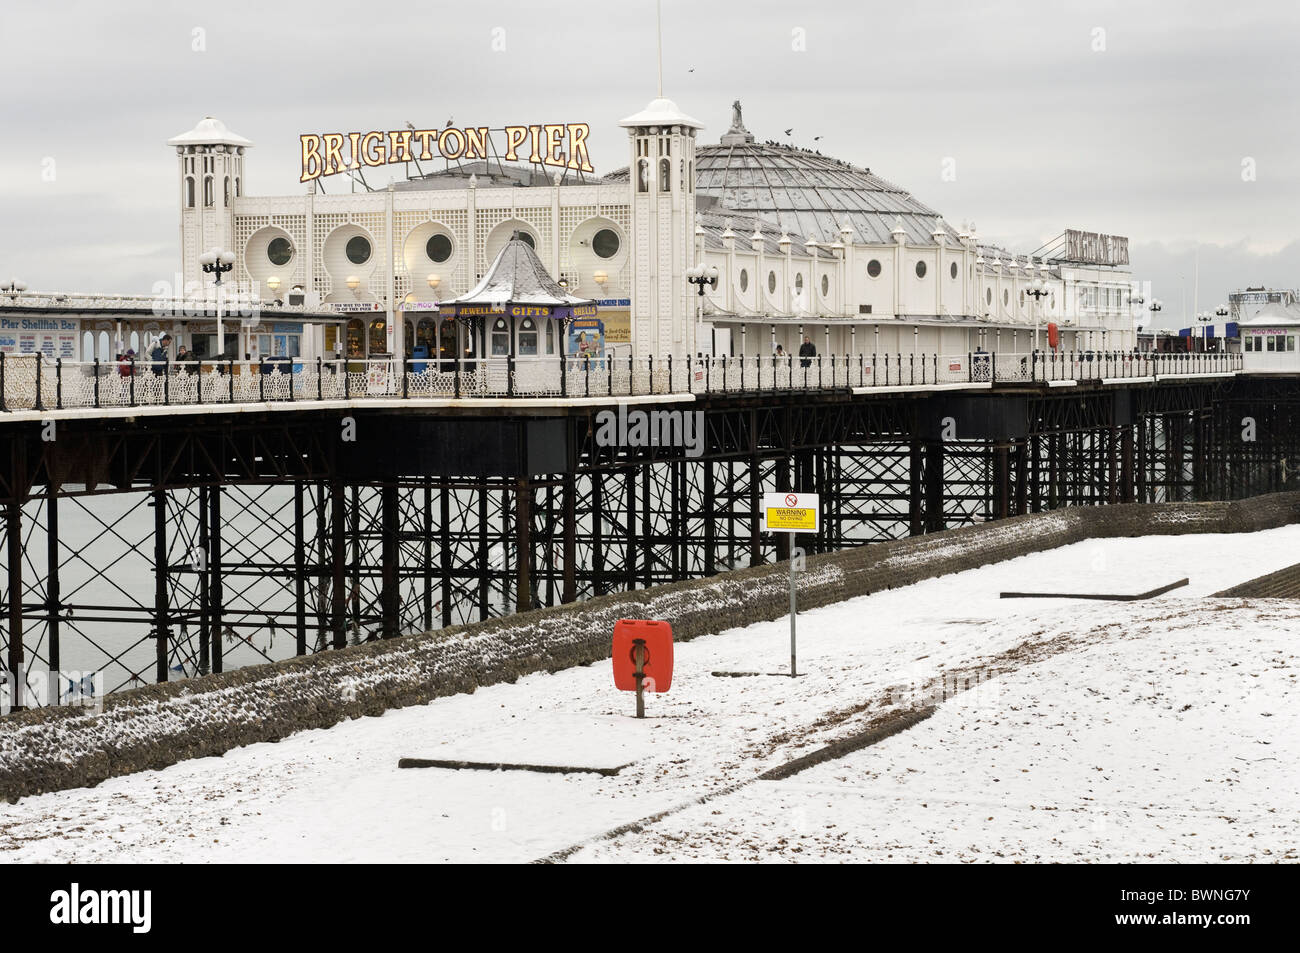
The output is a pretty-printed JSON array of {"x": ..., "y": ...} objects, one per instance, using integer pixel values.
[{"x": 736, "y": 124}]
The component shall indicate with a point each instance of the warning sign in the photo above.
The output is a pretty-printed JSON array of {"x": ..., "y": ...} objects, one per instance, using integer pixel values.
[{"x": 791, "y": 512}]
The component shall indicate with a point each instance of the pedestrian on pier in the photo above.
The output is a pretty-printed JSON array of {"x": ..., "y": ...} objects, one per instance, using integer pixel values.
[
  {"x": 126, "y": 366},
  {"x": 159, "y": 354},
  {"x": 807, "y": 351}
]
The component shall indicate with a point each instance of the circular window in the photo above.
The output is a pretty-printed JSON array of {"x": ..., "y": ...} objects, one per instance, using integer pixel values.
[
  {"x": 798, "y": 282},
  {"x": 526, "y": 324},
  {"x": 988, "y": 295},
  {"x": 605, "y": 243},
  {"x": 279, "y": 251},
  {"x": 826, "y": 285},
  {"x": 1006, "y": 297},
  {"x": 920, "y": 269},
  {"x": 952, "y": 269},
  {"x": 744, "y": 279},
  {"x": 500, "y": 325},
  {"x": 771, "y": 282},
  {"x": 438, "y": 248},
  {"x": 358, "y": 250},
  {"x": 873, "y": 268}
]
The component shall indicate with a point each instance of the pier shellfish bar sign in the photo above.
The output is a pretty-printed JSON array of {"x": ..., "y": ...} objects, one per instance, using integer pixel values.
[{"x": 791, "y": 513}]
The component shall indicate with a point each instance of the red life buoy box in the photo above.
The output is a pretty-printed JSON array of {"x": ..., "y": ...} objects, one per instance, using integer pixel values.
[
  {"x": 1053, "y": 335},
  {"x": 658, "y": 667}
]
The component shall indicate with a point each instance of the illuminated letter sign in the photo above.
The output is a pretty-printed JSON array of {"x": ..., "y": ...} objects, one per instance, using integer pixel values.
[{"x": 324, "y": 153}]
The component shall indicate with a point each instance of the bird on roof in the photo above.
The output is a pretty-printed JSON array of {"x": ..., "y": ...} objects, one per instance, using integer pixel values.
[
  {"x": 816, "y": 138},
  {"x": 790, "y": 130},
  {"x": 449, "y": 122}
]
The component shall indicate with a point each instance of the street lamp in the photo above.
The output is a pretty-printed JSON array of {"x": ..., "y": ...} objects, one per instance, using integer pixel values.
[
  {"x": 216, "y": 262},
  {"x": 600, "y": 278},
  {"x": 273, "y": 283},
  {"x": 434, "y": 281},
  {"x": 701, "y": 275},
  {"x": 353, "y": 283},
  {"x": 1221, "y": 312},
  {"x": 1037, "y": 288}
]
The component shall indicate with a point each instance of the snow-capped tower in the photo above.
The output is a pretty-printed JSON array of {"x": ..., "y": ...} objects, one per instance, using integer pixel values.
[
  {"x": 210, "y": 161},
  {"x": 662, "y": 181}
]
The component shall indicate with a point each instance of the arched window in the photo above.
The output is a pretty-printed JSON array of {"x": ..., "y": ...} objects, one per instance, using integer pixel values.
[
  {"x": 207, "y": 191},
  {"x": 665, "y": 175},
  {"x": 500, "y": 338},
  {"x": 237, "y": 192},
  {"x": 135, "y": 342},
  {"x": 189, "y": 191},
  {"x": 527, "y": 338},
  {"x": 227, "y": 190},
  {"x": 88, "y": 346},
  {"x": 104, "y": 343},
  {"x": 409, "y": 337},
  {"x": 643, "y": 175}
]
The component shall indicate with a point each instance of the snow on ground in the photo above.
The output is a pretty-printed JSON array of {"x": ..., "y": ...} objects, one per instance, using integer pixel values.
[{"x": 1107, "y": 731}]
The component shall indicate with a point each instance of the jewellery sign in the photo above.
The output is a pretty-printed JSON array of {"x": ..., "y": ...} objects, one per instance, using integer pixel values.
[{"x": 332, "y": 152}]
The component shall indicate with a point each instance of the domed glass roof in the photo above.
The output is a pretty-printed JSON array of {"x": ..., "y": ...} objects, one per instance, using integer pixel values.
[{"x": 807, "y": 193}]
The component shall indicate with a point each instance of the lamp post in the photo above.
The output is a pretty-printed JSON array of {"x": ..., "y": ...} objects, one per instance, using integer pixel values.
[
  {"x": 1037, "y": 288},
  {"x": 701, "y": 275},
  {"x": 1204, "y": 318},
  {"x": 1221, "y": 312},
  {"x": 216, "y": 262},
  {"x": 1155, "y": 308},
  {"x": 13, "y": 287}
]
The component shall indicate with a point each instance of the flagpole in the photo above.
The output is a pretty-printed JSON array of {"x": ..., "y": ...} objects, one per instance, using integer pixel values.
[{"x": 659, "y": 43}]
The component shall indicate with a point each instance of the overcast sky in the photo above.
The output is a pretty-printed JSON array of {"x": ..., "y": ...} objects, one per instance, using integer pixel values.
[{"x": 1131, "y": 118}]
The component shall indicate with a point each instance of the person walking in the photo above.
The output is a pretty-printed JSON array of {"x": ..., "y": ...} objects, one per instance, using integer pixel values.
[
  {"x": 126, "y": 366},
  {"x": 807, "y": 351}
]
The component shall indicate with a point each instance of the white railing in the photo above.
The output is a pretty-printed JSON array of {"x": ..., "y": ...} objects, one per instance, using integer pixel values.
[{"x": 32, "y": 381}]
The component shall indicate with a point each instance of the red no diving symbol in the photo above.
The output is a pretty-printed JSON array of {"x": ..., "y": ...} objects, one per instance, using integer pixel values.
[{"x": 791, "y": 500}]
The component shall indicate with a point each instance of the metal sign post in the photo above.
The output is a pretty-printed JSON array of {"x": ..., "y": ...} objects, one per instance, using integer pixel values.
[{"x": 792, "y": 513}]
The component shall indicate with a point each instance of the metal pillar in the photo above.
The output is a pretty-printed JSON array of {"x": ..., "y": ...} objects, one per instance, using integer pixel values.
[
  {"x": 915, "y": 488},
  {"x": 444, "y": 549},
  {"x": 299, "y": 569},
  {"x": 570, "y": 504},
  {"x": 215, "y": 593},
  {"x": 14, "y": 539},
  {"x": 52, "y": 582},
  {"x": 390, "y": 561},
  {"x": 934, "y": 454},
  {"x": 161, "y": 621},
  {"x": 523, "y": 545},
  {"x": 338, "y": 565}
]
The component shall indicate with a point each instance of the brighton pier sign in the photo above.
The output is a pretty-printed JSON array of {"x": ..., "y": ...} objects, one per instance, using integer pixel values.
[{"x": 562, "y": 145}]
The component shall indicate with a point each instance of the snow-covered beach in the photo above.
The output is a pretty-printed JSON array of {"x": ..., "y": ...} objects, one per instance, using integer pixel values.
[{"x": 1161, "y": 730}]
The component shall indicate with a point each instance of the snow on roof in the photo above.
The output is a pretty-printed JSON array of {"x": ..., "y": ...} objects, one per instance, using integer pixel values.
[
  {"x": 209, "y": 131},
  {"x": 661, "y": 112},
  {"x": 1274, "y": 314},
  {"x": 517, "y": 276}
]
